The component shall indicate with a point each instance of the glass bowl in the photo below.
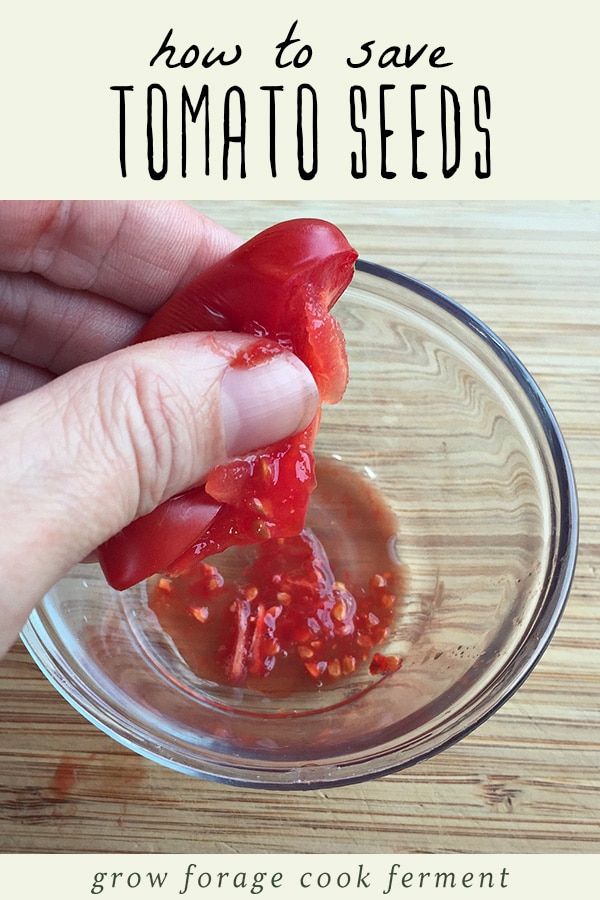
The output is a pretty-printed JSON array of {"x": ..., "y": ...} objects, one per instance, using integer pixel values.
[{"x": 444, "y": 423}]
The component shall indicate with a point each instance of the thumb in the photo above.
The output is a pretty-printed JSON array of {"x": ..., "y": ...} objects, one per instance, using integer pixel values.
[{"x": 92, "y": 450}]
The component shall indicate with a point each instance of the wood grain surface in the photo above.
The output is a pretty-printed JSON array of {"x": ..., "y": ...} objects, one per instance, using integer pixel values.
[{"x": 528, "y": 780}]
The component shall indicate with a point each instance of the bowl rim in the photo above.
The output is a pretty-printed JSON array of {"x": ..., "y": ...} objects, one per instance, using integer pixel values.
[{"x": 516, "y": 670}]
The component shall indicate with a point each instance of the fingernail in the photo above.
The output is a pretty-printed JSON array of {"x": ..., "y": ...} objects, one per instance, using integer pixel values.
[{"x": 266, "y": 403}]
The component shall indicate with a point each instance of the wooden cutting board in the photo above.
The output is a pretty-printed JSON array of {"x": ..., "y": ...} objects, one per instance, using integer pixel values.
[{"x": 526, "y": 781}]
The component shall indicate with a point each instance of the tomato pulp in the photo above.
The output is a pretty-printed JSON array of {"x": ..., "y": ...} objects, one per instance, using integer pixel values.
[
  {"x": 295, "y": 613},
  {"x": 280, "y": 287}
]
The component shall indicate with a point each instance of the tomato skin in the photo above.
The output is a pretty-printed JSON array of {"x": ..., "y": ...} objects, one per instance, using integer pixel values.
[
  {"x": 279, "y": 285},
  {"x": 282, "y": 283},
  {"x": 149, "y": 544}
]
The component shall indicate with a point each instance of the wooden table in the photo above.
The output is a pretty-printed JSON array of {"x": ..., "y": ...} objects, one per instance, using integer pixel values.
[{"x": 526, "y": 781}]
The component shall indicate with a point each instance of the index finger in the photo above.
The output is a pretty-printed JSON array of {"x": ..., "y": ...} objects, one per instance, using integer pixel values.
[{"x": 134, "y": 252}]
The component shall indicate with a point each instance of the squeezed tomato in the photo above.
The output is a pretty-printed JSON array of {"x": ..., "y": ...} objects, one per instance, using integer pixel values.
[
  {"x": 279, "y": 286},
  {"x": 256, "y": 586}
]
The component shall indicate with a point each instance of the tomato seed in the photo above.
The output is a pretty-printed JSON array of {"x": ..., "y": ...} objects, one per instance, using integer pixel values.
[
  {"x": 261, "y": 529},
  {"x": 339, "y": 611},
  {"x": 378, "y": 581},
  {"x": 315, "y": 669},
  {"x": 334, "y": 668},
  {"x": 259, "y": 506},
  {"x": 200, "y": 613},
  {"x": 380, "y": 634},
  {"x": 348, "y": 665}
]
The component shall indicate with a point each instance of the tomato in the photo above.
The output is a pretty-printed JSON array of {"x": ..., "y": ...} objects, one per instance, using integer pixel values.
[{"x": 279, "y": 286}]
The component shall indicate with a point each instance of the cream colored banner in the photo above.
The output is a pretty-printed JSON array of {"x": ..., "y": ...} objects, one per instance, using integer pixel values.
[
  {"x": 168, "y": 877},
  {"x": 376, "y": 101}
]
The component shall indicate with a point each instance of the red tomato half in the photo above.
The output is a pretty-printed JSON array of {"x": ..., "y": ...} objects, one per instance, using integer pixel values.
[{"x": 279, "y": 285}]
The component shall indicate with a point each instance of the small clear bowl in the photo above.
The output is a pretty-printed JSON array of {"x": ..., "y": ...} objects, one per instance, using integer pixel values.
[{"x": 449, "y": 427}]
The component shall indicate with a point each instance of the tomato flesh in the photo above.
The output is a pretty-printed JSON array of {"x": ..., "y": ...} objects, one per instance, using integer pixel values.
[{"x": 279, "y": 286}]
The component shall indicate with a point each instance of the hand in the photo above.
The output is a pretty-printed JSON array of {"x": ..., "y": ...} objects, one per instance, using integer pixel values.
[{"x": 94, "y": 433}]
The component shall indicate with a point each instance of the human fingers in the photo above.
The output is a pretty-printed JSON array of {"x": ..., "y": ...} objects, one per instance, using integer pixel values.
[
  {"x": 134, "y": 252},
  {"x": 97, "y": 447},
  {"x": 18, "y": 378},
  {"x": 55, "y": 329}
]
